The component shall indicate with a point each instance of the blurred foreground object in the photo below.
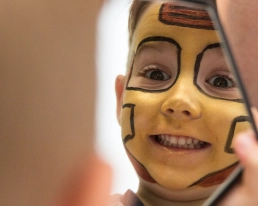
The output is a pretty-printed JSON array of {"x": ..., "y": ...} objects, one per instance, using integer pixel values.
[{"x": 47, "y": 86}]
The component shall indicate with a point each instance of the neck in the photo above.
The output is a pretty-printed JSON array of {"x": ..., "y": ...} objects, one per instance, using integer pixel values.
[{"x": 153, "y": 194}]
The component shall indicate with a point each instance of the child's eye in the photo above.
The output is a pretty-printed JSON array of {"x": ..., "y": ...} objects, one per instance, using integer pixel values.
[
  {"x": 221, "y": 81},
  {"x": 157, "y": 75}
]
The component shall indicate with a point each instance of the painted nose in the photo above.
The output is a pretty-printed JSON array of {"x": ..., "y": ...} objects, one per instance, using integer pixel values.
[{"x": 181, "y": 103}]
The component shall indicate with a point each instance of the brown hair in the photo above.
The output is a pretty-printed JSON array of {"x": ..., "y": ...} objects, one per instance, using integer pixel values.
[{"x": 136, "y": 10}]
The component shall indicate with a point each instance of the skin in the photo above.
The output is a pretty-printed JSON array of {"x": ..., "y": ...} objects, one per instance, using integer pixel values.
[
  {"x": 152, "y": 116},
  {"x": 244, "y": 46},
  {"x": 19, "y": 124},
  {"x": 30, "y": 114},
  {"x": 47, "y": 109},
  {"x": 26, "y": 114},
  {"x": 35, "y": 165},
  {"x": 244, "y": 192}
]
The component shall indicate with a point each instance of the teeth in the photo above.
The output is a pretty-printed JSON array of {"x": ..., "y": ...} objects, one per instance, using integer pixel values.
[
  {"x": 195, "y": 141},
  {"x": 189, "y": 141},
  {"x": 191, "y": 146},
  {"x": 163, "y": 137},
  {"x": 198, "y": 146},
  {"x": 173, "y": 140},
  {"x": 167, "y": 138},
  {"x": 180, "y": 142}
]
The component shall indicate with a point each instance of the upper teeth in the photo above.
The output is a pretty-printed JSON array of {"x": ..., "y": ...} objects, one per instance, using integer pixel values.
[{"x": 183, "y": 142}]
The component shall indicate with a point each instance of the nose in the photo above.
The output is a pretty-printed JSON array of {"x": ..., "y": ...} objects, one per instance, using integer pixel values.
[{"x": 181, "y": 103}]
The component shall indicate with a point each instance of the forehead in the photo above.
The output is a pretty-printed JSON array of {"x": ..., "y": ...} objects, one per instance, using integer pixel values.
[{"x": 187, "y": 36}]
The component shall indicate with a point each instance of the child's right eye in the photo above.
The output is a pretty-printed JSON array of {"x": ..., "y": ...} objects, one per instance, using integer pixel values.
[
  {"x": 157, "y": 75},
  {"x": 153, "y": 72},
  {"x": 151, "y": 77}
]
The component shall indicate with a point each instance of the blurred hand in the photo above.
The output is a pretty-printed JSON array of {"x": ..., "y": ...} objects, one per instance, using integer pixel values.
[{"x": 246, "y": 147}]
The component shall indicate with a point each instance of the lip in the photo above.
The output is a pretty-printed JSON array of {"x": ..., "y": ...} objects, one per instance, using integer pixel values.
[
  {"x": 179, "y": 142},
  {"x": 178, "y": 158}
]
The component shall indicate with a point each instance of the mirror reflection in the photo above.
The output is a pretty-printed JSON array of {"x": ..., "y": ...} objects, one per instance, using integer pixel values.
[{"x": 178, "y": 104}]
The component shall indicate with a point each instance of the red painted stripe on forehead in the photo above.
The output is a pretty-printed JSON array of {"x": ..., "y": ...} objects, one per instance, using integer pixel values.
[{"x": 172, "y": 14}]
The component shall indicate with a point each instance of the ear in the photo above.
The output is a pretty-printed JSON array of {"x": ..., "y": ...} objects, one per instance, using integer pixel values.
[{"x": 119, "y": 87}]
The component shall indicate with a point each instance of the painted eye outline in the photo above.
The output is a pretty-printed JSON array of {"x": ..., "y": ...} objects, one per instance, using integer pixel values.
[{"x": 230, "y": 82}]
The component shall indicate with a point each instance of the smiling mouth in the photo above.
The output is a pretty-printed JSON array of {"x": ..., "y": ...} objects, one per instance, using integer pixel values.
[{"x": 179, "y": 142}]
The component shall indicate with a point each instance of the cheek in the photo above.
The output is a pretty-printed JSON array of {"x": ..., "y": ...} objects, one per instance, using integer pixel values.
[
  {"x": 140, "y": 117},
  {"x": 220, "y": 116},
  {"x": 140, "y": 110}
]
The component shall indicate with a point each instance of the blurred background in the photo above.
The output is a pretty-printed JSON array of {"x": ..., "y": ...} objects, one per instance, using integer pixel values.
[{"x": 112, "y": 51}]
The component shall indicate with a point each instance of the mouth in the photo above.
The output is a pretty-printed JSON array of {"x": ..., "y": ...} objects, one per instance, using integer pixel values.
[{"x": 181, "y": 142}]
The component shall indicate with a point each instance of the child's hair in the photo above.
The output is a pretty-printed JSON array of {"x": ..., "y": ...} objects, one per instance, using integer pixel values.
[{"x": 136, "y": 10}]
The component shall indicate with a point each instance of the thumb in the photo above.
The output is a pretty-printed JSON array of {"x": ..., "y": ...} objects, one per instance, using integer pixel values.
[{"x": 246, "y": 147}]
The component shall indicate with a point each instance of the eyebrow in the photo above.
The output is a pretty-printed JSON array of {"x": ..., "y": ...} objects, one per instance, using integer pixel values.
[
  {"x": 153, "y": 46},
  {"x": 218, "y": 50},
  {"x": 152, "y": 43}
]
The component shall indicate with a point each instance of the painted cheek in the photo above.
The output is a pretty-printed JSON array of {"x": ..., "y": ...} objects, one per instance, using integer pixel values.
[
  {"x": 239, "y": 124},
  {"x": 136, "y": 125},
  {"x": 139, "y": 168},
  {"x": 228, "y": 118},
  {"x": 140, "y": 110}
]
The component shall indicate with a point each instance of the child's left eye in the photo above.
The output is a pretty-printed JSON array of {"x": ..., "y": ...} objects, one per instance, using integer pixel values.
[
  {"x": 157, "y": 75},
  {"x": 221, "y": 81}
]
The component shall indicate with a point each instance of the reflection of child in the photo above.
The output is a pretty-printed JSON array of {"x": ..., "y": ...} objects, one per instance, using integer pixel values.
[{"x": 171, "y": 103}]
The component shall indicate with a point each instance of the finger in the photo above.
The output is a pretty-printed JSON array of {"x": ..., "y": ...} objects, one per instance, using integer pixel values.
[{"x": 246, "y": 148}]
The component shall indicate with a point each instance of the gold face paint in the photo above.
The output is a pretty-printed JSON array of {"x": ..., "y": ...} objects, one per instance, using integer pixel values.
[{"x": 179, "y": 105}]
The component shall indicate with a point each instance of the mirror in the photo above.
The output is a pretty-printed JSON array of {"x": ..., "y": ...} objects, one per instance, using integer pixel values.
[{"x": 179, "y": 103}]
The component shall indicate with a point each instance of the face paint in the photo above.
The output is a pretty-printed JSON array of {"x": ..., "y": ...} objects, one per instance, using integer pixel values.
[
  {"x": 180, "y": 103},
  {"x": 216, "y": 79}
]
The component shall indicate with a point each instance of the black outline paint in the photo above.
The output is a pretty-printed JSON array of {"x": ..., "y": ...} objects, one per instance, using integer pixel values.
[
  {"x": 197, "y": 68},
  {"x": 130, "y": 136},
  {"x": 153, "y": 39},
  {"x": 227, "y": 148}
]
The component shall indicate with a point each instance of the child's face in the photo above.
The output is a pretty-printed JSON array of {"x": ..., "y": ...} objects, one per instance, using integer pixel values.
[{"x": 178, "y": 106}]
